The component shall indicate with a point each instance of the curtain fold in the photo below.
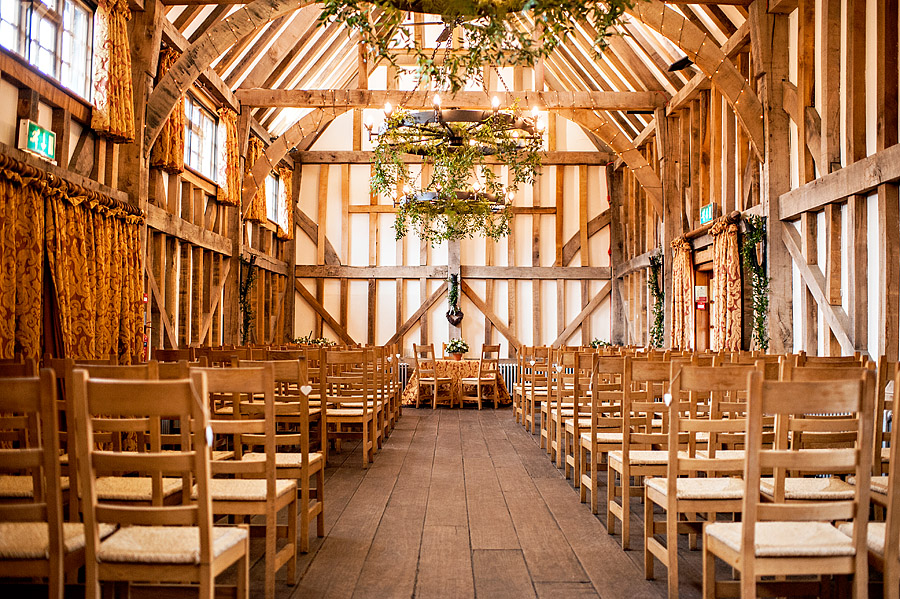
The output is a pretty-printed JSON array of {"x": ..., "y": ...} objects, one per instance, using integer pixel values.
[
  {"x": 726, "y": 292},
  {"x": 682, "y": 295},
  {"x": 168, "y": 151},
  {"x": 229, "y": 167},
  {"x": 21, "y": 263},
  {"x": 286, "y": 228},
  {"x": 257, "y": 209},
  {"x": 113, "y": 114}
]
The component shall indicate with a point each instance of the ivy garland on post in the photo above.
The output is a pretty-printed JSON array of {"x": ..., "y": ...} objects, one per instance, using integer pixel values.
[
  {"x": 754, "y": 262},
  {"x": 657, "y": 291},
  {"x": 454, "y": 314},
  {"x": 247, "y": 280},
  {"x": 497, "y": 32}
]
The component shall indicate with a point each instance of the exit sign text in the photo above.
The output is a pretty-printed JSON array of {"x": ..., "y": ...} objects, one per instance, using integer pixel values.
[{"x": 707, "y": 213}]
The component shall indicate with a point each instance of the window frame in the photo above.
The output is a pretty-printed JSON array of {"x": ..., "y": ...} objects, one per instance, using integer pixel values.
[{"x": 192, "y": 101}]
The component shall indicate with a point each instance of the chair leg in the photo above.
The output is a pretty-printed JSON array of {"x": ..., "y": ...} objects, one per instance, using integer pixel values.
[
  {"x": 320, "y": 500},
  {"x": 271, "y": 550},
  {"x": 292, "y": 536},
  {"x": 610, "y": 498},
  {"x": 709, "y": 572},
  {"x": 243, "y": 571},
  {"x": 304, "y": 515},
  {"x": 672, "y": 552},
  {"x": 648, "y": 534},
  {"x": 626, "y": 509}
]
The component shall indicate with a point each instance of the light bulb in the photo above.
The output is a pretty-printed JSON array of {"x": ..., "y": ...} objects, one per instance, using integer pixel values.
[
  {"x": 510, "y": 196},
  {"x": 535, "y": 112},
  {"x": 388, "y": 109},
  {"x": 436, "y": 101},
  {"x": 495, "y": 103}
]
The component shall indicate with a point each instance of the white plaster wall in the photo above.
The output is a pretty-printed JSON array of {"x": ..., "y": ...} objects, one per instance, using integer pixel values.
[{"x": 9, "y": 97}]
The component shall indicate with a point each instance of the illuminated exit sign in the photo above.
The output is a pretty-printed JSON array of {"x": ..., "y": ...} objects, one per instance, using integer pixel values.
[
  {"x": 707, "y": 213},
  {"x": 36, "y": 140}
]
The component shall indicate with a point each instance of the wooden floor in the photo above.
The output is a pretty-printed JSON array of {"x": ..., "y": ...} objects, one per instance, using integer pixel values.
[{"x": 464, "y": 504}]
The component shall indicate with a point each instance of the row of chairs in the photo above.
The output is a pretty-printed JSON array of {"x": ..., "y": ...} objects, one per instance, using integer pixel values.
[
  {"x": 689, "y": 422},
  {"x": 247, "y": 402}
]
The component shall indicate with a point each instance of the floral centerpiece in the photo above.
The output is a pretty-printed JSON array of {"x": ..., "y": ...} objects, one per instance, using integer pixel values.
[
  {"x": 597, "y": 343},
  {"x": 308, "y": 339},
  {"x": 457, "y": 348}
]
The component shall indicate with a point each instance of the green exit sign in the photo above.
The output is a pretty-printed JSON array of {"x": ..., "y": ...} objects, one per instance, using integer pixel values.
[
  {"x": 36, "y": 140},
  {"x": 707, "y": 213}
]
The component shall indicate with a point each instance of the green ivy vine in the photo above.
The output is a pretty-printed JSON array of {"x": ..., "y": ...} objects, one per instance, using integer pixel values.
[
  {"x": 248, "y": 277},
  {"x": 657, "y": 337},
  {"x": 759, "y": 281}
]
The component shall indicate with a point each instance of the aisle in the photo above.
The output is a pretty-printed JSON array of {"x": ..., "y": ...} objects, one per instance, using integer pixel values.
[{"x": 463, "y": 504}]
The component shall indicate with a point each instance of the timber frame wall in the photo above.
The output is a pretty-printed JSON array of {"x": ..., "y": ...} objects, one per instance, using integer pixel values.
[{"x": 793, "y": 117}]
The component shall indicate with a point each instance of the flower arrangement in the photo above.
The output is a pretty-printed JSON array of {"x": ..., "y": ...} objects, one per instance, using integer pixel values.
[
  {"x": 457, "y": 346},
  {"x": 308, "y": 339},
  {"x": 597, "y": 343}
]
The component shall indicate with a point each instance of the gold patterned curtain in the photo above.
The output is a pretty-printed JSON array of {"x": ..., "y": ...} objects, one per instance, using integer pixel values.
[
  {"x": 168, "y": 151},
  {"x": 286, "y": 228},
  {"x": 21, "y": 260},
  {"x": 682, "y": 295},
  {"x": 229, "y": 167},
  {"x": 257, "y": 210},
  {"x": 113, "y": 114},
  {"x": 726, "y": 291}
]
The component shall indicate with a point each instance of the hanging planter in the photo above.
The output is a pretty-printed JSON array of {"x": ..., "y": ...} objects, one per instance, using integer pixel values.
[
  {"x": 464, "y": 196},
  {"x": 753, "y": 253},
  {"x": 657, "y": 292},
  {"x": 454, "y": 314},
  {"x": 492, "y": 32}
]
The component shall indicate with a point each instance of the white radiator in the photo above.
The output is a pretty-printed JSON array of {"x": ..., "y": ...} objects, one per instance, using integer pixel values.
[
  {"x": 510, "y": 374},
  {"x": 405, "y": 374}
]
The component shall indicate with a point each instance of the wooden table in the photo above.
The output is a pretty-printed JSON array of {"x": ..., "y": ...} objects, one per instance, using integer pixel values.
[{"x": 456, "y": 370}]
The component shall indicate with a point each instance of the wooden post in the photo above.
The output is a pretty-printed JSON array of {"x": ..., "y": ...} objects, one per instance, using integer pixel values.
[
  {"x": 673, "y": 225},
  {"x": 768, "y": 39}
]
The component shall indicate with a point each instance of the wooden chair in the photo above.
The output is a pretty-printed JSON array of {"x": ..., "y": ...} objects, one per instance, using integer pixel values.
[
  {"x": 155, "y": 543},
  {"x": 605, "y": 433},
  {"x": 318, "y": 412},
  {"x": 257, "y": 491},
  {"x": 346, "y": 386},
  {"x": 174, "y": 355},
  {"x": 34, "y": 541},
  {"x": 706, "y": 490},
  {"x": 426, "y": 375},
  {"x": 520, "y": 387},
  {"x": 18, "y": 368},
  {"x": 643, "y": 450},
  {"x": 486, "y": 378},
  {"x": 572, "y": 427},
  {"x": 780, "y": 538},
  {"x": 883, "y": 406},
  {"x": 302, "y": 465}
]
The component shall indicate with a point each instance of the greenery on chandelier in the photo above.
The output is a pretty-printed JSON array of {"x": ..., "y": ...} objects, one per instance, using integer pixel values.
[
  {"x": 465, "y": 196},
  {"x": 248, "y": 277},
  {"x": 493, "y": 32},
  {"x": 657, "y": 337},
  {"x": 457, "y": 346},
  {"x": 759, "y": 281}
]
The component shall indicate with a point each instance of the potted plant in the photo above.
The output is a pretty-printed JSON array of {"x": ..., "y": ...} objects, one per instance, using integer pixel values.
[{"x": 457, "y": 348}]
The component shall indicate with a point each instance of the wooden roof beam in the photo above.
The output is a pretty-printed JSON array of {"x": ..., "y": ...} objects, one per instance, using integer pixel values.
[{"x": 354, "y": 98}]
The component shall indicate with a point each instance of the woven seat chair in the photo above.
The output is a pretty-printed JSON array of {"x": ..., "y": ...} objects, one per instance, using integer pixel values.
[
  {"x": 302, "y": 465},
  {"x": 540, "y": 365},
  {"x": 487, "y": 377},
  {"x": 154, "y": 543},
  {"x": 256, "y": 490},
  {"x": 605, "y": 432},
  {"x": 702, "y": 485},
  {"x": 426, "y": 375},
  {"x": 35, "y": 543},
  {"x": 779, "y": 538},
  {"x": 643, "y": 450},
  {"x": 347, "y": 387}
]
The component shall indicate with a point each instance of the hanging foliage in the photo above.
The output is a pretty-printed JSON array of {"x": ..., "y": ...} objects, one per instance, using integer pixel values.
[
  {"x": 499, "y": 32},
  {"x": 247, "y": 280},
  {"x": 754, "y": 262},
  {"x": 657, "y": 337}
]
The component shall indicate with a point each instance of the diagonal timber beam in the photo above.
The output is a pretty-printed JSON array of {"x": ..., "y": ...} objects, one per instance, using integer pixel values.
[
  {"x": 418, "y": 314},
  {"x": 321, "y": 311},
  {"x": 835, "y": 316},
  {"x": 489, "y": 314},
  {"x": 588, "y": 310}
]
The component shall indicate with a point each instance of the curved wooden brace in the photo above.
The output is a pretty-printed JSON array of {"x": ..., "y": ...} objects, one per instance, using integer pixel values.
[
  {"x": 623, "y": 147},
  {"x": 707, "y": 55},
  {"x": 203, "y": 52}
]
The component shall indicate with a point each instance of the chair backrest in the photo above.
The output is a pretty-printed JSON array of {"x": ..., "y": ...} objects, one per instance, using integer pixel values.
[
  {"x": 252, "y": 422},
  {"x": 424, "y": 356},
  {"x": 797, "y": 401},
  {"x": 140, "y": 406},
  {"x": 643, "y": 382},
  {"x": 291, "y": 400},
  {"x": 348, "y": 378},
  {"x": 489, "y": 364},
  {"x": 180, "y": 369},
  {"x": 18, "y": 368},
  {"x": 28, "y": 425},
  {"x": 720, "y": 424},
  {"x": 887, "y": 372},
  {"x": 801, "y": 359},
  {"x": 174, "y": 355},
  {"x": 892, "y": 518}
]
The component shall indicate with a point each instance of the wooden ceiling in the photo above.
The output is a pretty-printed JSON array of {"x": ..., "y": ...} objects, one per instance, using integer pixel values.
[{"x": 293, "y": 52}]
